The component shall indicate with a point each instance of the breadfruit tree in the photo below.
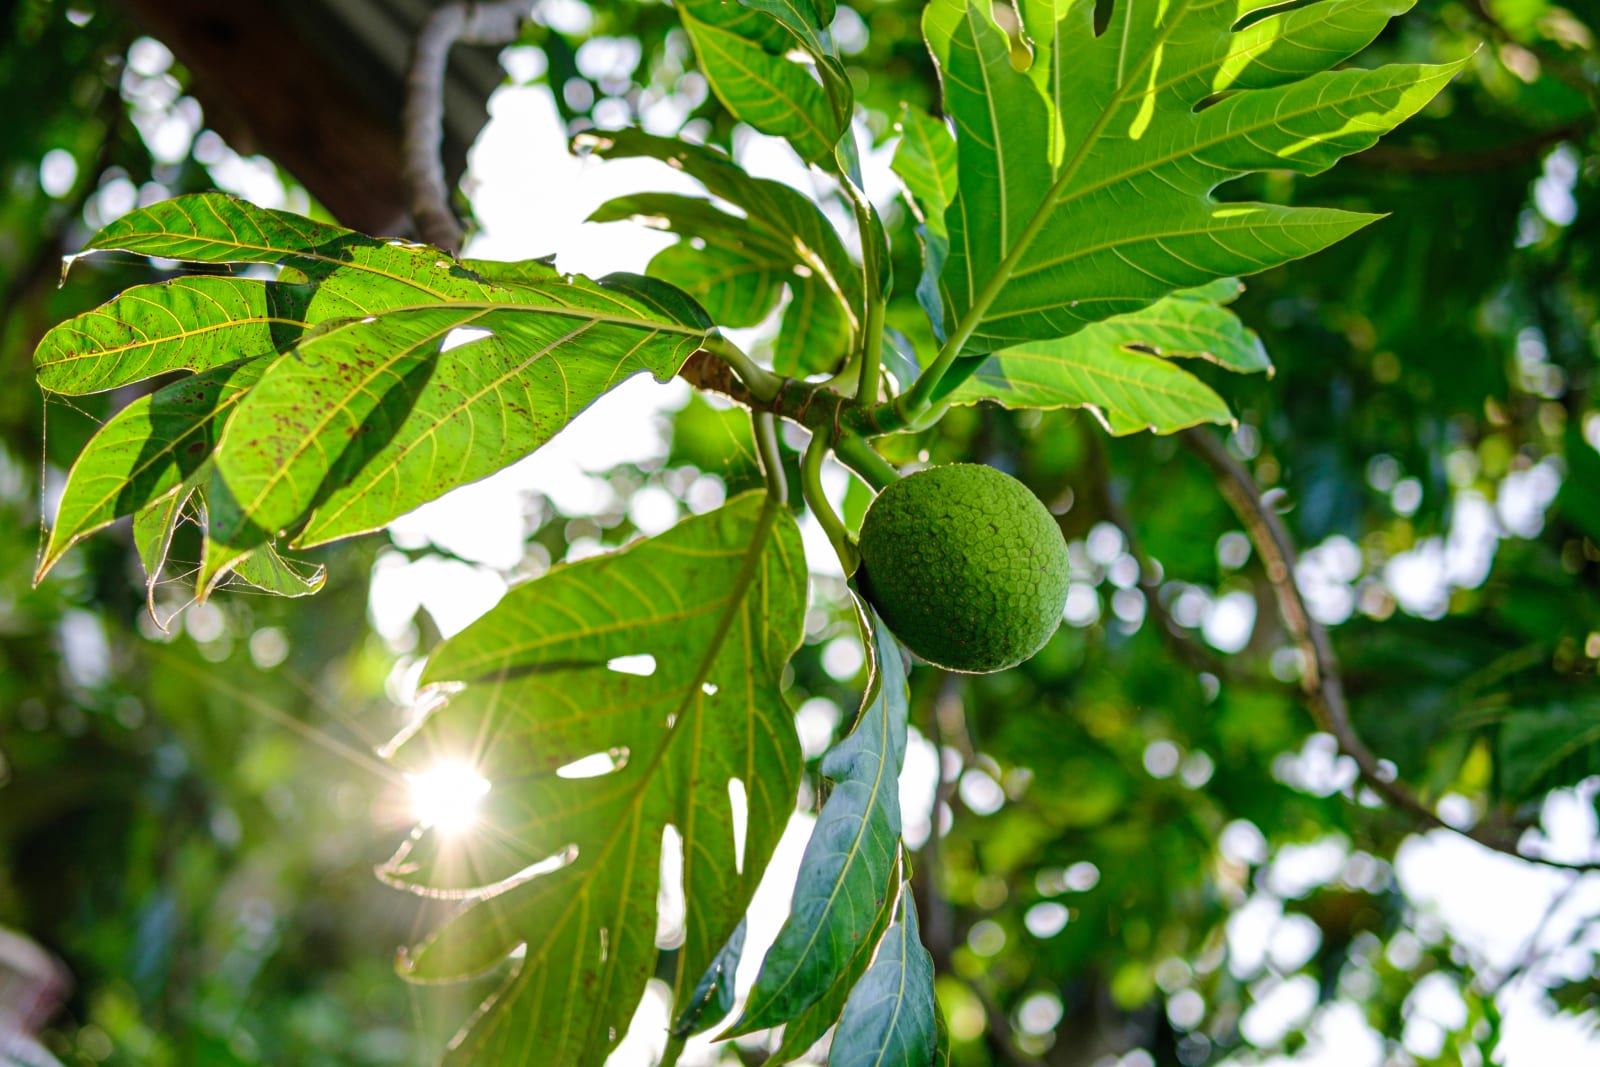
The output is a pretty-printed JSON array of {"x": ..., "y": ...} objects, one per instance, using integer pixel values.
[{"x": 1066, "y": 237}]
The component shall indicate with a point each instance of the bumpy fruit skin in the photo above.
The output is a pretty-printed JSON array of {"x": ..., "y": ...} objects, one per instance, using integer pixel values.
[{"x": 966, "y": 566}]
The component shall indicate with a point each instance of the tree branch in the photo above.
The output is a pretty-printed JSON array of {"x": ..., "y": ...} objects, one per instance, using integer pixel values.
[
  {"x": 1320, "y": 678},
  {"x": 423, "y": 117},
  {"x": 809, "y": 405},
  {"x": 1194, "y": 654}
]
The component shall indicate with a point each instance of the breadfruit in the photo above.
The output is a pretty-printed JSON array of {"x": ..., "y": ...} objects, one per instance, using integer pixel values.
[{"x": 965, "y": 566}]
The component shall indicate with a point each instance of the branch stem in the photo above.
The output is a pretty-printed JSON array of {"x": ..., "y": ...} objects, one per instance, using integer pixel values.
[
  {"x": 423, "y": 115},
  {"x": 762, "y": 383},
  {"x": 1321, "y": 679},
  {"x": 871, "y": 344}
]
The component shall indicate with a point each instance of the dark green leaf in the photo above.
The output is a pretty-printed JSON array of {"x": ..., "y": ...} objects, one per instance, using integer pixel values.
[
  {"x": 845, "y": 881},
  {"x": 891, "y": 1019}
]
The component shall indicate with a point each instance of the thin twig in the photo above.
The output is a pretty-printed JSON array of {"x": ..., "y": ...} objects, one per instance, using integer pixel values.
[
  {"x": 1320, "y": 677},
  {"x": 423, "y": 117}
]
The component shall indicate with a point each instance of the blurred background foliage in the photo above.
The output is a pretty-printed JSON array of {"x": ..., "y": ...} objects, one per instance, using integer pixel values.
[{"x": 1139, "y": 850}]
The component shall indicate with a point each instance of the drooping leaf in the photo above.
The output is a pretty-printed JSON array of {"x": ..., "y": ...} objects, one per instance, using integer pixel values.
[
  {"x": 1086, "y": 181},
  {"x": 891, "y": 1017},
  {"x": 146, "y": 451},
  {"x": 1119, "y": 368},
  {"x": 846, "y": 881},
  {"x": 925, "y": 160},
  {"x": 811, "y": 1025},
  {"x": 712, "y": 997},
  {"x": 717, "y": 603}
]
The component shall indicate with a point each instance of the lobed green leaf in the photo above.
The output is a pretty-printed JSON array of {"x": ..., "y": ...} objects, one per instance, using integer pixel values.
[
  {"x": 568, "y": 868},
  {"x": 1087, "y": 180}
]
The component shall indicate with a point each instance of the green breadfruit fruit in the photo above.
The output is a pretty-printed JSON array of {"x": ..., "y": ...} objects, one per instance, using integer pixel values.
[{"x": 966, "y": 566}]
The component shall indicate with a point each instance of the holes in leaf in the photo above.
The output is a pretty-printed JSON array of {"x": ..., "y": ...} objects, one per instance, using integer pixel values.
[
  {"x": 463, "y": 335},
  {"x": 1102, "y": 15},
  {"x": 1266, "y": 11},
  {"x": 672, "y": 905},
  {"x": 643, "y": 665},
  {"x": 708, "y": 688},
  {"x": 1211, "y": 101},
  {"x": 605, "y": 943},
  {"x": 595, "y": 764},
  {"x": 739, "y": 804}
]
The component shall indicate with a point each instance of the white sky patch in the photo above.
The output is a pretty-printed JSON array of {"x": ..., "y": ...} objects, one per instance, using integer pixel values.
[
  {"x": 1298, "y": 869},
  {"x": 1230, "y": 621},
  {"x": 1338, "y": 1037},
  {"x": 919, "y": 782},
  {"x": 1280, "y": 1006},
  {"x": 456, "y": 594},
  {"x": 1324, "y": 575}
]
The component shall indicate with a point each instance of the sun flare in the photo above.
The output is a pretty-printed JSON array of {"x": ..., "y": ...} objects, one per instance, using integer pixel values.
[{"x": 447, "y": 796}]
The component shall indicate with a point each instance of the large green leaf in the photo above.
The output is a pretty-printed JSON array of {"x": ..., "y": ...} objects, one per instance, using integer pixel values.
[
  {"x": 372, "y": 417},
  {"x": 1119, "y": 368},
  {"x": 1086, "y": 181},
  {"x": 195, "y": 323},
  {"x": 718, "y": 602},
  {"x": 847, "y": 882},
  {"x": 190, "y": 324},
  {"x": 380, "y": 406}
]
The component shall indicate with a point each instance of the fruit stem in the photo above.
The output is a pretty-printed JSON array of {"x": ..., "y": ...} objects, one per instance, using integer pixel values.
[
  {"x": 827, "y": 518},
  {"x": 765, "y": 428},
  {"x": 854, "y": 452}
]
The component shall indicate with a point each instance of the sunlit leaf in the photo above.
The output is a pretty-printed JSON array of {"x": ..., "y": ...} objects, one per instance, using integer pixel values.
[
  {"x": 146, "y": 451},
  {"x": 1086, "y": 181},
  {"x": 780, "y": 226},
  {"x": 717, "y": 603},
  {"x": 744, "y": 50},
  {"x": 1119, "y": 368}
]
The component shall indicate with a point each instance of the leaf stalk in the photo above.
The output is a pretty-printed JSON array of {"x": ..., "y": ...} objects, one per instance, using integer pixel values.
[{"x": 827, "y": 518}]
